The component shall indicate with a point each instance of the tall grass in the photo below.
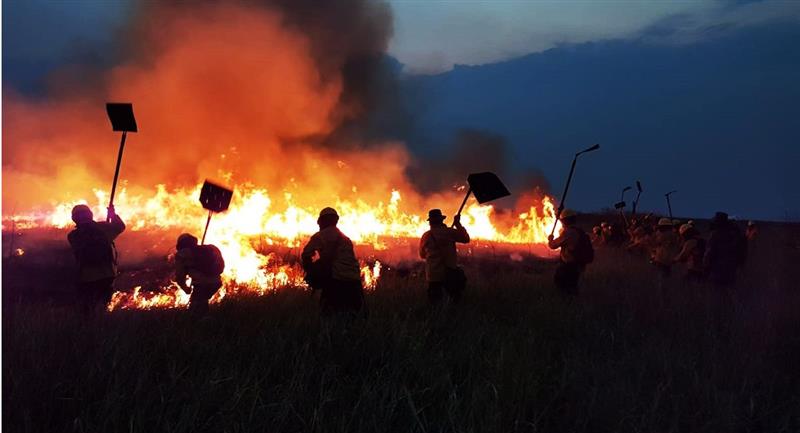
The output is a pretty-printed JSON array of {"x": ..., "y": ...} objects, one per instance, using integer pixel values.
[{"x": 515, "y": 356}]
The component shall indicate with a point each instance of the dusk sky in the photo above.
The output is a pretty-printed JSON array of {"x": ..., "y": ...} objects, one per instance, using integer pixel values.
[{"x": 495, "y": 36}]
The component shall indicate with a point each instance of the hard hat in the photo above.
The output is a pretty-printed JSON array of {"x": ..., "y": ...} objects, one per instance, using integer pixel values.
[
  {"x": 691, "y": 222},
  {"x": 751, "y": 223},
  {"x": 603, "y": 224},
  {"x": 81, "y": 214},
  {"x": 185, "y": 240},
  {"x": 328, "y": 211},
  {"x": 684, "y": 228},
  {"x": 665, "y": 222},
  {"x": 568, "y": 213}
]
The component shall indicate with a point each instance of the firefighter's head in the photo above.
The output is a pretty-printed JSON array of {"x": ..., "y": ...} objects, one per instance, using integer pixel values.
[
  {"x": 435, "y": 217},
  {"x": 327, "y": 218},
  {"x": 569, "y": 217},
  {"x": 186, "y": 241},
  {"x": 82, "y": 214}
]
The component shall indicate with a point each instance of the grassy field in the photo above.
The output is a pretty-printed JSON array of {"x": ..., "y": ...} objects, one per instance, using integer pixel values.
[{"x": 514, "y": 357}]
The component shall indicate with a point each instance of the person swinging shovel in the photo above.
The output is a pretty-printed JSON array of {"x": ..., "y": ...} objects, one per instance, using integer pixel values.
[
  {"x": 438, "y": 245},
  {"x": 204, "y": 262},
  {"x": 121, "y": 116},
  {"x": 575, "y": 245}
]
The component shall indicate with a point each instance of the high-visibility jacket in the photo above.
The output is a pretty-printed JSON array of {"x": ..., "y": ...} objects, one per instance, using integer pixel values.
[
  {"x": 331, "y": 241},
  {"x": 187, "y": 263},
  {"x": 438, "y": 247}
]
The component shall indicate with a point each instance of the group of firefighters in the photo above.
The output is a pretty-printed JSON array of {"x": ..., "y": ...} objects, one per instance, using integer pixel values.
[
  {"x": 668, "y": 242},
  {"x": 330, "y": 263}
]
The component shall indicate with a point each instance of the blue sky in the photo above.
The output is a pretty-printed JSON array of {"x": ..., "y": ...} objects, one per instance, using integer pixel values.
[{"x": 654, "y": 41}]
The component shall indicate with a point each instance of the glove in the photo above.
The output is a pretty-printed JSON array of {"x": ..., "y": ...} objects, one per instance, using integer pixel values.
[
  {"x": 111, "y": 212},
  {"x": 457, "y": 220},
  {"x": 550, "y": 237}
]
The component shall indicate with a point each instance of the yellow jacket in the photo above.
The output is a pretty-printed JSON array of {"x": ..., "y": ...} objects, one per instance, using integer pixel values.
[
  {"x": 438, "y": 247},
  {"x": 345, "y": 266},
  {"x": 186, "y": 264}
]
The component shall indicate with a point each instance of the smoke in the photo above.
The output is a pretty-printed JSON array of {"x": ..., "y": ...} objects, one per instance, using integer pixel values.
[
  {"x": 293, "y": 96},
  {"x": 471, "y": 151},
  {"x": 262, "y": 92}
]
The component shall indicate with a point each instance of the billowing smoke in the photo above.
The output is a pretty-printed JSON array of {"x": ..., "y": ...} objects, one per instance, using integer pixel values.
[
  {"x": 263, "y": 92},
  {"x": 471, "y": 151}
]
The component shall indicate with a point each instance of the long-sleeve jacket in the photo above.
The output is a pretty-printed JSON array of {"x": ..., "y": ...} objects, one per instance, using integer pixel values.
[
  {"x": 568, "y": 242},
  {"x": 692, "y": 253},
  {"x": 665, "y": 246},
  {"x": 78, "y": 238},
  {"x": 438, "y": 247},
  {"x": 188, "y": 264},
  {"x": 332, "y": 242}
]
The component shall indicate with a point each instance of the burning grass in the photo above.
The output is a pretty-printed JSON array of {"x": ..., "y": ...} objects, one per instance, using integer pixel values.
[{"x": 513, "y": 357}]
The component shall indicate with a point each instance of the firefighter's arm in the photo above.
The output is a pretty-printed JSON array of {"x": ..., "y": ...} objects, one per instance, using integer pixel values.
[
  {"x": 314, "y": 244},
  {"x": 71, "y": 240},
  {"x": 181, "y": 272},
  {"x": 556, "y": 243},
  {"x": 459, "y": 233},
  {"x": 114, "y": 227},
  {"x": 684, "y": 253},
  {"x": 423, "y": 251}
]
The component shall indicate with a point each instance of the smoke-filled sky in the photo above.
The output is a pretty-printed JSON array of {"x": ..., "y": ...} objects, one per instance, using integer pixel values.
[
  {"x": 429, "y": 36},
  {"x": 41, "y": 37}
]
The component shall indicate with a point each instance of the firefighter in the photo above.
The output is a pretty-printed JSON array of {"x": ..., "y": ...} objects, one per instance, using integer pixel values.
[
  {"x": 752, "y": 231},
  {"x": 691, "y": 253},
  {"x": 597, "y": 236},
  {"x": 665, "y": 246},
  {"x": 204, "y": 265},
  {"x": 576, "y": 253},
  {"x": 92, "y": 244},
  {"x": 438, "y": 248},
  {"x": 726, "y": 251},
  {"x": 641, "y": 238},
  {"x": 335, "y": 271}
]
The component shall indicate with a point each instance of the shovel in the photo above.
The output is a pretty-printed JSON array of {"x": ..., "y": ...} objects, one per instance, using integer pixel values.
[
  {"x": 486, "y": 187},
  {"x": 621, "y": 205},
  {"x": 669, "y": 205},
  {"x": 638, "y": 194},
  {"x": 215, "y": 198},
  {"x": 566, "y": 187},
  {"x": 121, "y": 116}
]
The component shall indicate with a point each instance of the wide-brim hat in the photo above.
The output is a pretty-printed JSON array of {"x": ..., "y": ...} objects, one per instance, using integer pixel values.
[
  {"x": 665, "y": 222},
  {"x": 435, "y": 215}
]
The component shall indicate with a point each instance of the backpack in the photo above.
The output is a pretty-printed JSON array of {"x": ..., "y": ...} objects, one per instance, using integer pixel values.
[
  {"x": 584, "y": 252},
  {"x": 93, "y": 248},
  {"x": 209, "y": 260}
]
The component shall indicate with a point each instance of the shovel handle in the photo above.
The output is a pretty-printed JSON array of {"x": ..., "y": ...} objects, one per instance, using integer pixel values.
[
  {"x": 463, "y": 202},
  {"x": 116, "y": 171},
  {"x": 208, "y": 221}
]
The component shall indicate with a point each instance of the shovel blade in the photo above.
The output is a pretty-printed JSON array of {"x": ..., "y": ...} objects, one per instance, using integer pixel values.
[
  {"x": 214, "y": 197},
  {"x": 486, "y": 187},
  {"x": 121, "y": 116}
]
